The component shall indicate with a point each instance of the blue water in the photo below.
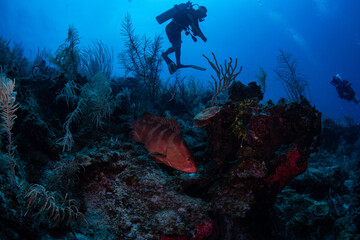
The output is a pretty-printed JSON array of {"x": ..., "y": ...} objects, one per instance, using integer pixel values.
[{"x": 324, "y": 36}]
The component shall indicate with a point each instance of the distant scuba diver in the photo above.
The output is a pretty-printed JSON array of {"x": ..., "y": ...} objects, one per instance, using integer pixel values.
[
  {"x": 184, "y": 18},
  {"x": 344, "y": 89}
]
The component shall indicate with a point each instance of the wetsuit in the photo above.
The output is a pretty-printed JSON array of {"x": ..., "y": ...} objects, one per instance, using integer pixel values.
[
  {"x": 180, "y": 22},
  {"x": 344, "y": 89}
]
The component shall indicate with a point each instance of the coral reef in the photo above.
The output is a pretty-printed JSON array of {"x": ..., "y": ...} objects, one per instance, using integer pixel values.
[
  {"x": 240, "y": 92},
  {"x": 256, "y": 150},
  {"x": 261, "y": 172}
]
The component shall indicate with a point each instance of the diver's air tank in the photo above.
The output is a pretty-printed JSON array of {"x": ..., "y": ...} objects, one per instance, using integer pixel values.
[{"x": 172, "y": 11}]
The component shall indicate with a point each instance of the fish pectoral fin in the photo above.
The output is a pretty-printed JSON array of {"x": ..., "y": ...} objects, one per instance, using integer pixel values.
[
  {"x": 158, "y": 157},
  {"x": 156, "y": 154}
]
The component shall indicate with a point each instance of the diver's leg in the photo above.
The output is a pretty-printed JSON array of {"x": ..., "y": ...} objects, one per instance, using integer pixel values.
[
  {"x": 178, "y": 55},
  {"x": 176, "y": 46},
  {"x": 174, "y": 35},
  {"x": 170, "y": 50}
]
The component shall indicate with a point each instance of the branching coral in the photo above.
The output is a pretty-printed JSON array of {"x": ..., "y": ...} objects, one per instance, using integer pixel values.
[
  {"x": 67, "y": 58},
  {"x": 67, "y": 55},
  {"x": 65, "y": 173},
  {"x": 293, "y": 80},
  {"x": 97, "y": 94},
  {"x": 74, "y": 117},
  {"x": 12, "y": 59},
  {"x": 68, "y": 93},
  {"x": 141, "y": 57},
  {"x": 8, "y": 108},
  {"x": 225, "y": 76},
  {"x": 188, "y": 92},
  {"x": 94, "y": 102}
]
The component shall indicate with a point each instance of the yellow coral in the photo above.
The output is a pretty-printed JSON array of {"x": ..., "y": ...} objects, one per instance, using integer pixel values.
[
  {"x": 240, "y": 125},
  {"x": 239, "y": 129}
]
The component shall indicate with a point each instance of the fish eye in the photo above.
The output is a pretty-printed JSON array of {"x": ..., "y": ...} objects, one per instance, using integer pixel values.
[{"x": 188, "y": 159}]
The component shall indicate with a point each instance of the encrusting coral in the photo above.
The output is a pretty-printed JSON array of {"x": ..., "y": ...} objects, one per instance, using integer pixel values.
[{"x": 245, "y": 111}]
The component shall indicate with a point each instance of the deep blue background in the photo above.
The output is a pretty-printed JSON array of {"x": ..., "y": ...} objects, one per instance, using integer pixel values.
[{"x": 324, "y": 35}]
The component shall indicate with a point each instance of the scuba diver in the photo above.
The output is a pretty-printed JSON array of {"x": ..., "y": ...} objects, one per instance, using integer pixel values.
[
  {"x": 344, "y": 89},
  {"x": 184, "y": 18}
]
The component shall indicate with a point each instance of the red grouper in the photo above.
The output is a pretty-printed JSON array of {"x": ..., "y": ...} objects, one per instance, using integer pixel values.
[{"x": 164, "y": 142}]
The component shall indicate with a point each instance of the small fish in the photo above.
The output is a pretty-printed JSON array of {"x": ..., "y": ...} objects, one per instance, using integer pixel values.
[{"x": 164, "y": 142}]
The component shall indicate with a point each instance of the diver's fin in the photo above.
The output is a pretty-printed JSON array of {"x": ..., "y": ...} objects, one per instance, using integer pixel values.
[
  {"x": 171, "y": 65},
  {"x": 191, "y": 66}
]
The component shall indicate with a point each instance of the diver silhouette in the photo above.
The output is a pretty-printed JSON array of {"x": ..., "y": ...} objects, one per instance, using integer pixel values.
[
  {"x": 184, "y": 18},
  {"x": 344, "y": 89}
]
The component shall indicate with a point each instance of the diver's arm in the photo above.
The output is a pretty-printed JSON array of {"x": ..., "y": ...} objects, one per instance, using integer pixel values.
[
  {"x": 347, "y": 83},
  {"x": 195, "y": 28}
]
